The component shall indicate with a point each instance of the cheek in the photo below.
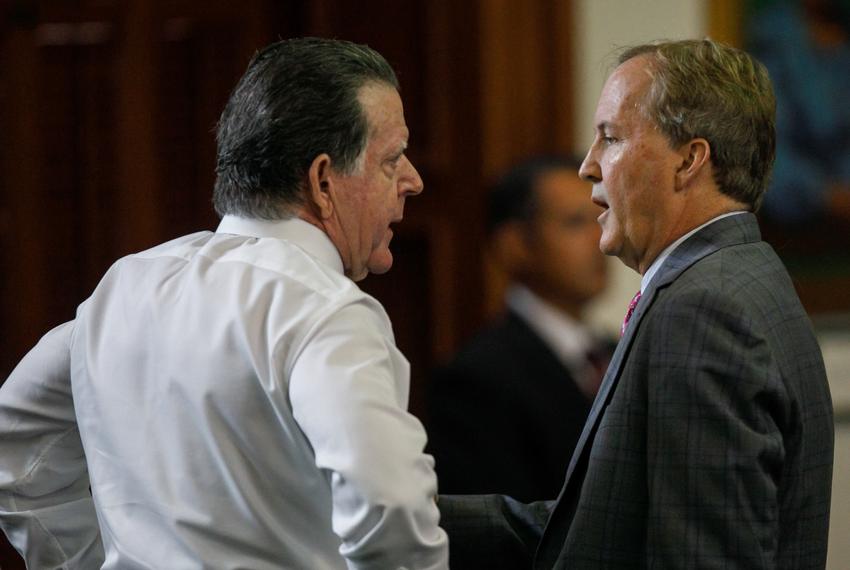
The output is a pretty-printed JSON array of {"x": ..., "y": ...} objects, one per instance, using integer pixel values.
[
  {"x": 572, "y": 250},
  {"x": 585, "y": 253},
  {"x": 614, "y": 155},
  {"x": 631, "y": 191},
  {"x": 384, "y": 200}
]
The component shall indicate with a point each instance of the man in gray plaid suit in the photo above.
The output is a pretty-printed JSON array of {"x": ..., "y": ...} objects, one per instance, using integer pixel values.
[{"x": 710, "y": 442}]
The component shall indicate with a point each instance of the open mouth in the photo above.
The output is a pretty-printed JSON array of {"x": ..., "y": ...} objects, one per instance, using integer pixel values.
[{"x": 599, "y": 201}]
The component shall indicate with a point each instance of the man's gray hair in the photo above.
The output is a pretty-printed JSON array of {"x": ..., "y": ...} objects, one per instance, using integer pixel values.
[{"x": 704, "y": 89}]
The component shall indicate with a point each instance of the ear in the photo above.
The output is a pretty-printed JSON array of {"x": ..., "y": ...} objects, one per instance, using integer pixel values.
[
  {"x": 320, "y": 186},
  {"x": 510, "y": 245},
  {"x": 696, "y": 156}
]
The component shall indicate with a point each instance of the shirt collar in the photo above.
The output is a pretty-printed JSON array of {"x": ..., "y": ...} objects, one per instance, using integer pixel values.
[
  {"x": 656, "y": 265},
  {"x": 294, "y": 230},
  {"x": 568, "y": 339}
]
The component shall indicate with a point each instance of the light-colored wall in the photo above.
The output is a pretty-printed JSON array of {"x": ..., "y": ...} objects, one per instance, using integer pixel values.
[
  {"x": 834, "y": 339},
  {"x": 603, "y": 26},
  {"x": 838, "y": 557}
]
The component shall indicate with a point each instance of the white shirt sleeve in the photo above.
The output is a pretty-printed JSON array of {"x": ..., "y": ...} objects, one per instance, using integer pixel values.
[
  {"x": 348, "y": 390},
  {"x": 46, "y": 508}
]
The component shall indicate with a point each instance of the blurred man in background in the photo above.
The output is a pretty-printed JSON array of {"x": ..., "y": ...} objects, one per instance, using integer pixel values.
[{"x": 505, "y": 413}]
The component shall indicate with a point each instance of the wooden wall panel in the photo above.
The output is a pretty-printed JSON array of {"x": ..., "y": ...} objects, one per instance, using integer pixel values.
[
  {"x": 76, "y": 150},
  {"x": 527, "y": 99},
  {"x": 198, "y": 66},
  {"x": 526, "y": 63},
  {"x": 23, "y": 279},
  {"x": 725, "y": 21},
  {"x": 109, "y": 114}
]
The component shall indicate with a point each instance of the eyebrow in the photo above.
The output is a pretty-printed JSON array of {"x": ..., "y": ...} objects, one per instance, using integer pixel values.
[{"x": 399, "y": 150}]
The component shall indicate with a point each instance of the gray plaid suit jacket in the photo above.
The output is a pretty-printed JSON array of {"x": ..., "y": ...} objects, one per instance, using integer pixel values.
[{"x": 709, "y": 445}]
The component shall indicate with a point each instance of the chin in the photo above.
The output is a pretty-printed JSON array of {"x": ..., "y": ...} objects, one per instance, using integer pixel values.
[
  {"x": 380, "y": 262},
  {"x": 607, "y": 248},
  {"x": 611, "y": 242}
]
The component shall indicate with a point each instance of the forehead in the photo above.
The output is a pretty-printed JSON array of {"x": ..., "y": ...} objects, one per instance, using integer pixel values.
[
  {"x": 384, "y": 112},
  {"x": 562, "y": 187},
  {"x": 625, "y": 92}
]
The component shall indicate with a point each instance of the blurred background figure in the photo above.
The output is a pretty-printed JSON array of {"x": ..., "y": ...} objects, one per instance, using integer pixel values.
[
  {"x": 805, "y": 45},
  {"x": 506, "y": 412}
]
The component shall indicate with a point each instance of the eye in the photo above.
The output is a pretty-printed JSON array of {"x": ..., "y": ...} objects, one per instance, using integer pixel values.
[
  {"x": 394, "y": 159},
  {"x": 391, "y": 164}
]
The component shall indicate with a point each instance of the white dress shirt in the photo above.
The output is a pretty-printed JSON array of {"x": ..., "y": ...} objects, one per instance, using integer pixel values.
[{"x": 234, "y": 401}]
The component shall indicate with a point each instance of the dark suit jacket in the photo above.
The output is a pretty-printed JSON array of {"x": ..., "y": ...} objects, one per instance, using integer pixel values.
[
  {"x": 504, "y": 415},
  {"x": 710, "y": 443}
]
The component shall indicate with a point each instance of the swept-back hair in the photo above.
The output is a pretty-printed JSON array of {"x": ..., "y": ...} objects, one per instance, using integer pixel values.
[{"x": 297, "y": 100}]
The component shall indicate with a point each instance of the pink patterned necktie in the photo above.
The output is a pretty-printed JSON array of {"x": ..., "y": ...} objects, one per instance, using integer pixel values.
[{"x": 631, "y": 310}]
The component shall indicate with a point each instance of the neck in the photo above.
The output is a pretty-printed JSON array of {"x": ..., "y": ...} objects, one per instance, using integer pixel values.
[
  {"x": 310, "y": 216},
  {"x": 571, "y": 307},
  {"x": 692, "y": 215}
]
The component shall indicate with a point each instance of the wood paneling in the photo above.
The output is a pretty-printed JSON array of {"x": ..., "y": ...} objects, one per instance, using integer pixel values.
[
  {"x": 23, "y": 279},
  {"x": 527, "y": 96},
  {"x": 107, "y": 140},
  {"x": 725, "y": 21}
]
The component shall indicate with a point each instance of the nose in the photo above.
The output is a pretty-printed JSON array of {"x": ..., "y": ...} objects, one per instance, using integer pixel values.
[
  {"x": 589, "y": 170},
  {"x": 410, "y": 184}
]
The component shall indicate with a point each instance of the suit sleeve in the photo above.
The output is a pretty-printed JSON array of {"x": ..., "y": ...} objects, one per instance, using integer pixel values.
[
  {"x": 46, "y": 508},
  {"x": 492, "y": 532},
  {"x": 716, "y": 410},
  {"x": 473, "y": 434}
]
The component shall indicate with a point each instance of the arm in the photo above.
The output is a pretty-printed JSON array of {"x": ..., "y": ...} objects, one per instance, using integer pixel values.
[
  {"x": 492, "y": 532},
  {"x": 46, "y": 509},
  {"x": 714, "y": 442},
  {"x": 474, "y": 436},
  {"x": 348, "y": 390}
]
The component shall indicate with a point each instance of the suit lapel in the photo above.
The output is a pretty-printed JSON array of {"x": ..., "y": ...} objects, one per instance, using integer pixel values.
[{"x": 732, "y": 230}]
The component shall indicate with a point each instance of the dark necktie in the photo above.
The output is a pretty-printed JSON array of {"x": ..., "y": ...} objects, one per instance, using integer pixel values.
[
  {"x": 629, "y": 313},
  {"x": 597, "y": 364}
]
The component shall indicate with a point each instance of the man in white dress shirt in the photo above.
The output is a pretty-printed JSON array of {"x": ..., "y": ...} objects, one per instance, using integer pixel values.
[{"x": 232, "y": 399}]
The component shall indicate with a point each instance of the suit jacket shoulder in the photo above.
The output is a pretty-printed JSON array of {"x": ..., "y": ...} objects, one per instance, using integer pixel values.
[{"x": 504, "y": 415}]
